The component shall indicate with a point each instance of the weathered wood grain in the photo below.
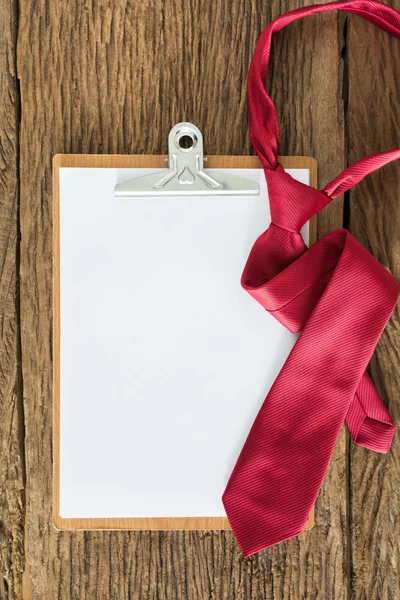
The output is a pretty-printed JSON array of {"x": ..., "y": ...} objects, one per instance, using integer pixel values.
[
  {"x": 12, "y": 502},
  {"x": 113, "y": 76},
  {"x": 374, "y": 126}
]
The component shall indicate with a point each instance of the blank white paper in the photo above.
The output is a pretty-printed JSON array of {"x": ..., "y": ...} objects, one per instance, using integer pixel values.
[{"x": 165, "y": 359}]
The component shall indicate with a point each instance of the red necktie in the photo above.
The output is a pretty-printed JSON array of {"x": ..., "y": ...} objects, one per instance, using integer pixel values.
[{"x": 339, "y": 296}]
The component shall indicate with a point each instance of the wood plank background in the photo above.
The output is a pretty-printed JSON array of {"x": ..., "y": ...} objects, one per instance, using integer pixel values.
[
  {"x": 374, "y": 110},
  {"x": 112, "y": 76}
]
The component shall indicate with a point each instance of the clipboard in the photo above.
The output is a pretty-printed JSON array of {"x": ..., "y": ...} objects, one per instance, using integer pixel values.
[{"x": 76, "y": 504}]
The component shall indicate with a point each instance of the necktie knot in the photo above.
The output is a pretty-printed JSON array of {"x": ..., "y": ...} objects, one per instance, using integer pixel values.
[{"x": 292, "y": 203}]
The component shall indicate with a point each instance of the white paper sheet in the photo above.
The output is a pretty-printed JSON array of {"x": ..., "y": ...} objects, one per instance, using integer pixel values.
[{"x": 165, "y": 360}]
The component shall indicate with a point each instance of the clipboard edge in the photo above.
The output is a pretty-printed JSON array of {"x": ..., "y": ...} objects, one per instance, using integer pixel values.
[{"x": 134, "y": 161}]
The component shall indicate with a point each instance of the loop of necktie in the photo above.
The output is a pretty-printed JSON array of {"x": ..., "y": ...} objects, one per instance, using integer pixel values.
[{"x": 339, "y": 297}]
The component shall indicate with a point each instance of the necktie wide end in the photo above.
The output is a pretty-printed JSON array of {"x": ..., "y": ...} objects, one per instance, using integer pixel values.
[{"x": 251, "y": 534}]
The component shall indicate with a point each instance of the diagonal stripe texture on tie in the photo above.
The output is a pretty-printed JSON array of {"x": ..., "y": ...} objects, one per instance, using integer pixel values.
[{"x": 339, "y": 297}]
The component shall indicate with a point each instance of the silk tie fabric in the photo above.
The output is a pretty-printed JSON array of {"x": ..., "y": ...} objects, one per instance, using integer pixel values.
[{"x": 339, "y": 297}]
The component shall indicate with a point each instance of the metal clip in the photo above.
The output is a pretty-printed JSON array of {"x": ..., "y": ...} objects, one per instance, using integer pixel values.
[{"x": 186, "y": 175}]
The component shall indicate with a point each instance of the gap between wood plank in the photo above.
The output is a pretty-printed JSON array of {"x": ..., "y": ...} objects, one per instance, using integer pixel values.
[
  {"x": 344, "y": 22},
  {"x": 27, "y": 592}
]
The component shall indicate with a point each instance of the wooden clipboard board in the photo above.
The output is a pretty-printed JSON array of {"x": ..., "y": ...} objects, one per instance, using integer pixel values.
[{"x": 123, "y": 162}]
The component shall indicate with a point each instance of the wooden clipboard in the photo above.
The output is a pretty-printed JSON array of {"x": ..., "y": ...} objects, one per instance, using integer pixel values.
[{"x": 123, "y": 162}]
